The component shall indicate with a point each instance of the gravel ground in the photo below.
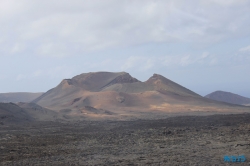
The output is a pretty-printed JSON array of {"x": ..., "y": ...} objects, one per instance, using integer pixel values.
[{"x": 189, "y": 140}]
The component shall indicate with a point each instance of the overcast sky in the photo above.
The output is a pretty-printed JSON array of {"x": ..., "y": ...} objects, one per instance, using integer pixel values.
[{"x": 203, "y": 45}]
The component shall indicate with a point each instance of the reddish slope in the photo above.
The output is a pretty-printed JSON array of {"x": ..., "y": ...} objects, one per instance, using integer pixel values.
[
  {"x": 154, "y": 83},
  {"x": 80, "y": 86},
  {"x": 114, "y": 94}
]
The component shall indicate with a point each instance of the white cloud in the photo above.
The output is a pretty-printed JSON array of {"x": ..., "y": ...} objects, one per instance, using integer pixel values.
[
  {"x": 100, "y": 65},
  {"x": 51, "y": 73},
  {"x": 11, "y": 8},
  {"x": 130, "y": 62},
  {"x": 17, "y": 48},
  {"x": 57, "y": 72},
  {"x": 204, "y": 59},
  {"x": 139, "y": 62},
  {"x": 143, "y": 63},
  {"x": 37, "y": 73},
  {"x": 64, "y": 28},
  {"x": 227, "y": 2},
  {"x": 185, "y": 60},
  {"x": 213, "y": 61},
  {"x": 53, "y": 50},
  {"x": 21, "y": 77},
  {"x": 149, "y": 63},
  {"x": 245, "y": 49},
  {"x": 204, "y": 55}
]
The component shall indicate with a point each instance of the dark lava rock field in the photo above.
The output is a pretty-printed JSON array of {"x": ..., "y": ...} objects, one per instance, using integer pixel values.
[{"x": 187, "y": 140}]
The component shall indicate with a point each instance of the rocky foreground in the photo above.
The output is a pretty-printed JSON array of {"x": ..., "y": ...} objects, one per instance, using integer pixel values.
[{"x": 190, "y": 140}]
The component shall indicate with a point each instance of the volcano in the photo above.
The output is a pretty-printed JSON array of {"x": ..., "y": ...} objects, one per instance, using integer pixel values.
[{"x": 108, "y": 94}]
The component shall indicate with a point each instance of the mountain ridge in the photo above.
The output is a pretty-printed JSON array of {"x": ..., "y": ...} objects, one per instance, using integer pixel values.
[
  {"x": 119, "y": 95},
  {"x": 108, "y": 81},
  {"x": 114, "y": 96}
]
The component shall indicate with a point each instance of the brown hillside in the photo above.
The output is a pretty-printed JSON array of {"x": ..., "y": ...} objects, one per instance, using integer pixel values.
[
  {"x": 75, "y": 87},
  {"x": 105, "y": 94},
  {"x": 164, "y": 85},
  {"x": 95, "y": 82},
  {"x": 154, "y": 83}
]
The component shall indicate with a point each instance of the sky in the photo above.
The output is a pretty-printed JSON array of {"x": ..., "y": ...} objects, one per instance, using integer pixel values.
[{"x": 203, "y": 45}]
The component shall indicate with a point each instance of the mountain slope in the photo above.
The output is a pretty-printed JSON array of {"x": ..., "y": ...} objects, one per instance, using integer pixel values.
[
  {"x": 97, "y": 81},
  {"x": 164, "y": 85},
  {"x": 12, "y": 113},
  {"x": 228, "y": 98},
  {"x": 90, "y": 89},
  {"x": 106, "y": 94},
  {"x": 154, "y": 83},
  {"x": 18, "y": 97},
  {"x": 39, "y": 113},
  {"x": 75, "y": 87}
]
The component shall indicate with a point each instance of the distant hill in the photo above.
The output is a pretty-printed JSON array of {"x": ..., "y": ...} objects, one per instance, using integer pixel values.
[
  {"x": 18, "y": 97},
  {"x": 11, "y": 113},
  {"x": 39, "y": 113},
  {"x": 228, "y": 98}
]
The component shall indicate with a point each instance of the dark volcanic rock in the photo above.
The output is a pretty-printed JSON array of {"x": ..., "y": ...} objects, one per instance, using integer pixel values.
[{"x": 176, "y": 141}]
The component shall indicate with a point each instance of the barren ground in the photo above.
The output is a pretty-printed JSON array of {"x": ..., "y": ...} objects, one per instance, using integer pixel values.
[{"x": 189, "y": 140}]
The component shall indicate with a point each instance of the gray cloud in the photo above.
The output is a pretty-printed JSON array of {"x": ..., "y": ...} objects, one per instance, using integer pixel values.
[{"x": 64, "y": 28}]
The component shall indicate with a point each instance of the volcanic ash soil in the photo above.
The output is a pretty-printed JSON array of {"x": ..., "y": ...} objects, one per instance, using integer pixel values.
[{"x": 190, "y": 140}]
